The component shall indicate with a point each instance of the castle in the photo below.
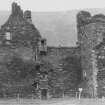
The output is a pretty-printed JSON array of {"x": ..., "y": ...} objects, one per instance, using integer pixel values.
[
  {"x": 91, "y": 35},
  {"x": 24, "y": 53}
]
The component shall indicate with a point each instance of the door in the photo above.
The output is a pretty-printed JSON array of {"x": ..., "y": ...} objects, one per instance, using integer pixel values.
[{"x": 44, "y": 94}]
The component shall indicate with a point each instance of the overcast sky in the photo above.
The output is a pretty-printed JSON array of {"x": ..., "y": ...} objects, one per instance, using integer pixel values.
[{"x": 53, "y": 5}]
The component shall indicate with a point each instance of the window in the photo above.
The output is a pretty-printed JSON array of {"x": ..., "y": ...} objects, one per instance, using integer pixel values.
[
  {"x": 42, "y": 42},
  {"x": 43, "y": 47},
  {"x": 43, "y": 53},
  {"x": 38, "y": 67},
  {"x": 8, "y": 36},
  {"x": 84, "y": 74}
]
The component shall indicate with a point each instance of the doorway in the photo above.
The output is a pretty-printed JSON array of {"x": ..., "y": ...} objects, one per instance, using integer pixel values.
[{"x": 44, "y": 94}]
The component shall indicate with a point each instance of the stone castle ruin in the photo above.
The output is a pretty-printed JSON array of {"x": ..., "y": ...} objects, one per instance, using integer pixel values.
[
  {"x": 25, "y": 58},
  {"x": 91, "y": 35}
]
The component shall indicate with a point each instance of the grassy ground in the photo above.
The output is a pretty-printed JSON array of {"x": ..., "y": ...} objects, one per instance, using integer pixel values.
[{"x": 67, "y": 101}]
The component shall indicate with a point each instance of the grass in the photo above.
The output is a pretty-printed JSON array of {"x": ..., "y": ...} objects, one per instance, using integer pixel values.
[{"x": 61, "y": 101}]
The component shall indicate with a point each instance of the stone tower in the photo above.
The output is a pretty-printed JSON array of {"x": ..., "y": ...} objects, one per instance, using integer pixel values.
[{"x": 91, "y": 31}]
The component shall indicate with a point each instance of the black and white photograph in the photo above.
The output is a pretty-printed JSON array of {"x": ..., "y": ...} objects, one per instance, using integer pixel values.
[{"x": 52, "y": 52}]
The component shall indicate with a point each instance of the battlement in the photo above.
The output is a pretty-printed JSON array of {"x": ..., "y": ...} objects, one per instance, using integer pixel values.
[{"x": 84, "y": 18}]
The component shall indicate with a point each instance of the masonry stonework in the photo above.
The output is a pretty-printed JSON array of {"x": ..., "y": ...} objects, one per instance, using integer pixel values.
[
  {"x": 91, "y": 31},
  {"x": 23, "y": 51}
]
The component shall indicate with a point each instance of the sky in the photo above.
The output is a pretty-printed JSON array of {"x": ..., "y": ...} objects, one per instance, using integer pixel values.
[{"x": 53, "y": 5}]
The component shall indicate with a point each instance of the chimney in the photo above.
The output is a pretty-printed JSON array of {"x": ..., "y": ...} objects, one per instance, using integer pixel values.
[{"x": 27, "y": 16}]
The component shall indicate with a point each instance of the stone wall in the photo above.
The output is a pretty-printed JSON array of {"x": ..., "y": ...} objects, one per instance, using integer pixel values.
[
  {"x": 20, "y": 47},
  {"x": 23, "y": 33},
  {"x": 100, "y": 60},
  {"x": 19, "y": 66},
  {"x": 65, "y": 61},
  {"x": 18, "y": 43},
  {"x": 91, "y": 31}
]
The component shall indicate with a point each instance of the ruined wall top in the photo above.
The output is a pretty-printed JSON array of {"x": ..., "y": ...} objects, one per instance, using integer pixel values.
[
  {"x": 17, "y": 16},
  {"x": 16, "y": 10},
  {"x": 20, "y": 27},
  {"x": 84, "y": 18},
  {"x": 27, "y": 14}
]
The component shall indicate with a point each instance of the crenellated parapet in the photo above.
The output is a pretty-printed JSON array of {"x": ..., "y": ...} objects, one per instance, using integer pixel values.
[{"x": 85, "y": 18}]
